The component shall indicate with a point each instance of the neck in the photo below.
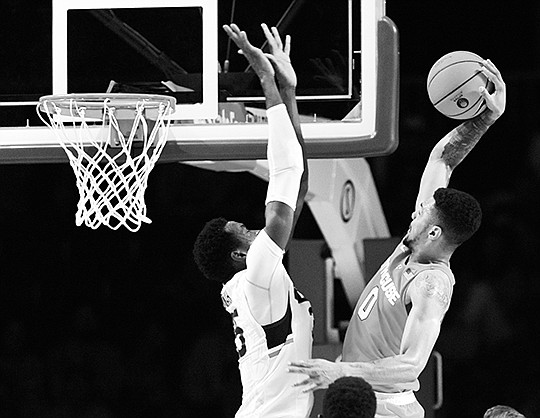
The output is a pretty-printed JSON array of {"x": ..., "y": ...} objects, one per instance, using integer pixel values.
[{"x": 427, "y": 258}]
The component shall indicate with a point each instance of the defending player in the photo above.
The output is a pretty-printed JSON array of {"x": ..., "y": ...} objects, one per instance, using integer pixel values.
[
  {"x": 272, "y": 321},
  {"x": 398, "y": 317}
]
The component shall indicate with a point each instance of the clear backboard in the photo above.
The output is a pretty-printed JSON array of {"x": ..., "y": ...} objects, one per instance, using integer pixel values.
[{"x": 345, "y": 54}]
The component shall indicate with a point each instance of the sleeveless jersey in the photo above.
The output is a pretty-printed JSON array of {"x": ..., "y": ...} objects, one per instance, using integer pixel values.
[
  {"x": 378, "y": 321},
  {"x": 265, "y": 351}
]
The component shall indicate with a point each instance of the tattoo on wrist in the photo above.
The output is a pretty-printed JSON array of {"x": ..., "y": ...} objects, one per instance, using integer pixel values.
[{"x": 463, "y": 139}]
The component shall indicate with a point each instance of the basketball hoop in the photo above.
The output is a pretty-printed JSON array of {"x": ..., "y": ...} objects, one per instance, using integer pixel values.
[{"x": 113, "y": 142}]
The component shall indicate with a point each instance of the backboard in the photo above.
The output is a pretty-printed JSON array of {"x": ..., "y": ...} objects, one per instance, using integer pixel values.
[{"x": 345, "y": 54}]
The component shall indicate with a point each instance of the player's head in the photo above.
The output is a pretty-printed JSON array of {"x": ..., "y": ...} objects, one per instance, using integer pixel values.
[
  {"x": 502, "y": 411},
  {"x": 349, "y": 397},
  {"x": 450, "y": 217},
  {"x": 221, "y": 247}
]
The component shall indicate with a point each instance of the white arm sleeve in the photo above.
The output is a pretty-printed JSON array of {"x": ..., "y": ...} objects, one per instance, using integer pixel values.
[
  {"x": 285, "y": 161},
  {"x": 266, "y": 287}
]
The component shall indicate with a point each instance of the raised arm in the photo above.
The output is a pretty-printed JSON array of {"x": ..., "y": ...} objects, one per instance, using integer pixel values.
[
  {"x": 280, "y": 58},
  {"x": 457, "y": 144},
  {"x": 285, "y": 153},
  {"x": 267, "y": 293}
]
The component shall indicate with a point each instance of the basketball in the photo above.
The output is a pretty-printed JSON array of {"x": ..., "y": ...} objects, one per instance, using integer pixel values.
[{"x": 453, "y": 85}]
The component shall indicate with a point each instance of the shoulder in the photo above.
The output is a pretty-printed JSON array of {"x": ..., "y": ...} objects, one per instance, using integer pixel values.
[
  {"x": 265, "y": 243},
  {"x": 432, "y": 285}
]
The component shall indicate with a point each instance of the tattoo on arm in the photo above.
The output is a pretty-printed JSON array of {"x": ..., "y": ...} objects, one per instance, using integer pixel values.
[
  {"x": 463, "y": 139},
  {"x": 435, "y": 287}
]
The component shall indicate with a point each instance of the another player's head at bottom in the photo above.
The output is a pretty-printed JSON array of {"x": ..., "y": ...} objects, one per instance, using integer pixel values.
[
  {"x": 443, "y": 222},
  {"x": 349, "y": 397},
  {"x": 221, "y": 248},
  {"x": 502, "y": 411}
]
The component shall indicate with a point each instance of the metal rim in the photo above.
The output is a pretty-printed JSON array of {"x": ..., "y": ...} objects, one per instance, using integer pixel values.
[{"x": 116, "y": 100}]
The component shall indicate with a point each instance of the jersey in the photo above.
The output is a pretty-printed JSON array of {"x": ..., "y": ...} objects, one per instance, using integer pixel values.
[
  {"x": 378, "y": 320},
  {"x": 265, "y": 351}
]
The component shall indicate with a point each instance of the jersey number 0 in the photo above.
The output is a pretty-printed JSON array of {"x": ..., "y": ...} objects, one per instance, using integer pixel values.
[{"x": 368, "y": 303}]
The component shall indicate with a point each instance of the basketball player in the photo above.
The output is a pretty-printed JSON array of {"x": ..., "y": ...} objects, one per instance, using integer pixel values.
[
  {"x": 502, "y": 411},
  {"x": 272, "y": 322},
  {"x": 349, "y": 397},
  {"x": 398, "y": 317}
]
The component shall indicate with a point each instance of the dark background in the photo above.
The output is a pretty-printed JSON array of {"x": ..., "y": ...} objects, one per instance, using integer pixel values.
[{"x": 115, "y": 324}]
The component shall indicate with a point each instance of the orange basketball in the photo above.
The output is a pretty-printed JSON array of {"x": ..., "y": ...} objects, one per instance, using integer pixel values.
[{"x": 453, "y": 85}]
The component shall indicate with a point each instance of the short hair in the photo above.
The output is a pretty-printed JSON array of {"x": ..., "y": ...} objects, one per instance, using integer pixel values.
[
  {"x": 212, "y": 249},
  {"x": 502, "y": 411},
  {"x": 349, "y": 397},
  {"x": 458, "y": 214}
]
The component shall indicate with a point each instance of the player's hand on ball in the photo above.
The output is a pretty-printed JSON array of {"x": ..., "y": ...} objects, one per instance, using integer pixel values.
[{"x": 496, "y": 101}]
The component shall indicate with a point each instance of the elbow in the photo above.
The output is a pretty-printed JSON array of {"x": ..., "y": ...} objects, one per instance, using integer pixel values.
[
  {"x": 304, "y": 186},
  {"x": 417, "y": 365},
  {"x": 415, "y": 371},
  {"x": 411, "y": 370}
]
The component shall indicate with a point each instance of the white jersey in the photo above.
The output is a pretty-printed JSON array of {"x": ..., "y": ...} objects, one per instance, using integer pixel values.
[{"x": 265, "y": 351}]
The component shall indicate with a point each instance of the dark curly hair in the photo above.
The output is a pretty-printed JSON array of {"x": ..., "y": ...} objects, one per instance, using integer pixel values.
[
  {"x": 211, "y": 251},
  {"x": 458, "y": 214},
  {"x": 502, "y": 411},
  {"x": 349, "y": 397}
]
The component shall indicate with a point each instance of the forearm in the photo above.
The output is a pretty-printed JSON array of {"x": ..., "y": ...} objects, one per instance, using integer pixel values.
[
  {"x": 449, "y": 152},
  {"x": 455, "y": 146},
  {"x": 288, "y": 95},
  {"x": 271, "y": 92},
  {"x": 390, "y": 370}
]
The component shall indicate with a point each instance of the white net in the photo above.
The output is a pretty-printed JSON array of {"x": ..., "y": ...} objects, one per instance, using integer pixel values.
[{"x": 111, "y": 157}]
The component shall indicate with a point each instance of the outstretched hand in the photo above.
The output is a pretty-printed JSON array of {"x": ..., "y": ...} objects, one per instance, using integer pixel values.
[
  {"x": 321, "y": 373},
  {"x": 255, "y": 56},
  {"x": 496, "y": 101},
  {"x": 280, "y": 57}
]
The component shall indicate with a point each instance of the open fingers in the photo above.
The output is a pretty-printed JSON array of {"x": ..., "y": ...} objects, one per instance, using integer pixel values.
[
  {"x": 295, "y": 369},
  {"x": 496, "y": 100},
  {"x": 494, "y": 75},
  {"x": 277, "y": 37},
  {"x": 491, "y": 67},
  {"x": 270, "y": 38},
  {"x": 238, "y": 36},
  {"x": 309, "y": 385},
  {"x": 232, "y": 30},
  {"x": 306, "y": 382},
  {"x": 488, "y": 97},
  {"x": 301, "y": 365},
  {"x": 287, "y": 47},
  {"x": 274, "y": 39}
]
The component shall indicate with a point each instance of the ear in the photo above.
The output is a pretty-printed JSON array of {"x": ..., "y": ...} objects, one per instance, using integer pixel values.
[
  {"x": 435, "y": 232},
  {"x": 238, "y": 256}
]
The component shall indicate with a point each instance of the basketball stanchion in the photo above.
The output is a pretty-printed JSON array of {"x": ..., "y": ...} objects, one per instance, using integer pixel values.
[{"x": 112, "y": 142}]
